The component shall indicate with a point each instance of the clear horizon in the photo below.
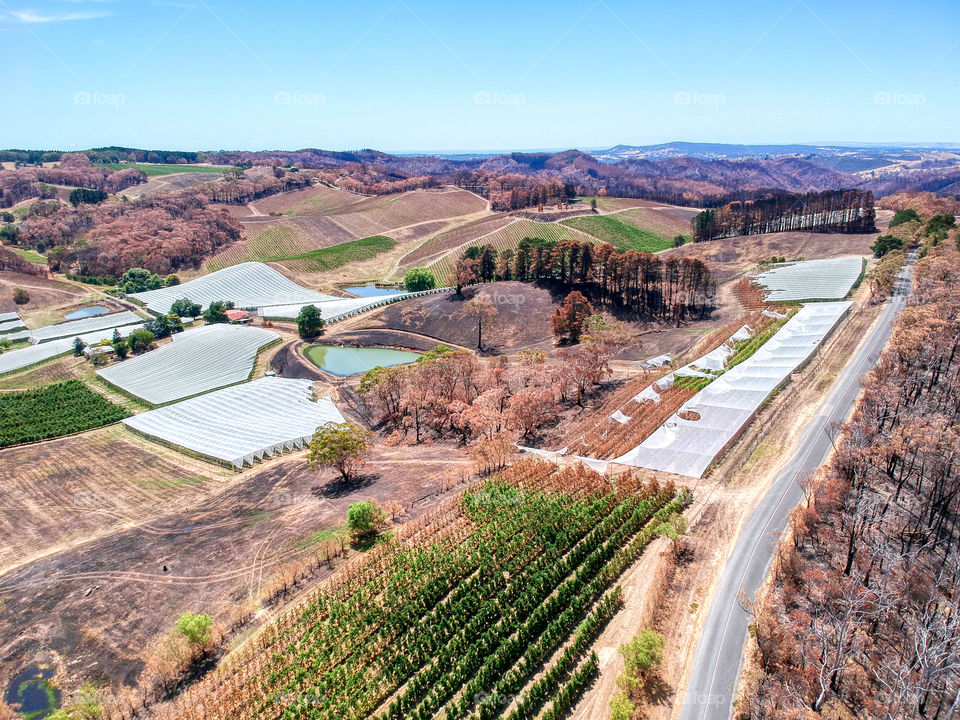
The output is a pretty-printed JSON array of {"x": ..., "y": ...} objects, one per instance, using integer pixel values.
[{"x": 405, "y": 76}]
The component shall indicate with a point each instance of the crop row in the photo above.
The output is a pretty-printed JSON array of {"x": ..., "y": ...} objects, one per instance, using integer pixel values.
[
  {"x": 54, "y": 411},
  {"x": 434, "y": 623}
]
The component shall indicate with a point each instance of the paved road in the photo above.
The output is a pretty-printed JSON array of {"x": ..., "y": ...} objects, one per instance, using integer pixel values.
[{"x": 720, "y": 651}]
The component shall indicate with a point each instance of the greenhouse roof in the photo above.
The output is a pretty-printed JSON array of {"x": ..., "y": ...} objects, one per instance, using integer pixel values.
[
  {"x": 75, "y": 328},
  {"x": 248, "y": 285},
  {"x": 196, "y": 361},
  {"x": 244, "y": 423},
  {"x": 687, "y": 447},
  {"x": 828, "y": 279}
]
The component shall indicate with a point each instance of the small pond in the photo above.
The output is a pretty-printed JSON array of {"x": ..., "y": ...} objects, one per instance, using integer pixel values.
[
  {"x": 32, "y": 693},
  {"x": 345, "y": 360},
  {"x": 373, "y": 291},
  {"x": 90, "y": 311}
]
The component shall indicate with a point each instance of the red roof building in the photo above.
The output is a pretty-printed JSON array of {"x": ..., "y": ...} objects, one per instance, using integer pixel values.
[{"x": 238, "y": 316}]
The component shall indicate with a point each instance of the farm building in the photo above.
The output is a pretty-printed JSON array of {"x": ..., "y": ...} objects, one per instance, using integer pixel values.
[{"x": 238, "y": 317}]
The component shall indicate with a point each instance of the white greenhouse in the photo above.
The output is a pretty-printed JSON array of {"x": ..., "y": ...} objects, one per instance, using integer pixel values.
[
  {"x": 25, "y": 357},
  {"x": 249, "y": 285},
  {"x": 196, "y": 361},
  {"x": 83, "y": 326},
  {"x": 687, "y": 447},
  {"x": 827, "y": 279},
  {"x": 241, "y": 424}
]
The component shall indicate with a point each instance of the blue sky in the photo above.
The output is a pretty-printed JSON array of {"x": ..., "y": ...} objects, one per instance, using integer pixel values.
[{"x": 402, "y": 75}]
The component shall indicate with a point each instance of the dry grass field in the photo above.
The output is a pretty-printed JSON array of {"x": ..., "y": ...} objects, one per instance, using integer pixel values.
[
  {"x": 731, "y": 257},
  {"x": 61, "y": 492},
  {"x": 161, "y": 539},
  {"x": 320, "y": 217}
]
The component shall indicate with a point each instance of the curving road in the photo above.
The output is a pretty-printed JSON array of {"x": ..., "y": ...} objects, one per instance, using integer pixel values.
[{"x": 719, "y": 655}]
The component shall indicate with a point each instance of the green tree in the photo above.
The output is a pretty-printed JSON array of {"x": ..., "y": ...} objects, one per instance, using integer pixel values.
[
  {"x": 216, "y": 311},
  {"x": 365, "y": 518},
  {"x": 640, "y": 656},
  {"x": 419, "y": 278},
  {"x": 593, "y": 204},
  {"x": 886, "y": 243},
  {"x": 137, "y": 280},
  {"x": 184, "y": 307},
  {"x": 488, "y": 263},
  {"x": 172, "y": 279},
  {"x": 121, "y": 348},
  {"x": 78, "y": 346},
  {"x": 196, "y": 629},
  {"x": 85, "y": 195},
  {"x": 679, "y": 240},
  {"x": 309, "y": 322},
  {"x": 902, "y": 216},
  {"x": 674, "y": 527},
  {"x": 339, "y": 445},
  {"x": 21, "y": 296},
  {"x": 140, "y": 340},
  {"x": 621, "y": 708},
  {"x": 9, "y": 233}
]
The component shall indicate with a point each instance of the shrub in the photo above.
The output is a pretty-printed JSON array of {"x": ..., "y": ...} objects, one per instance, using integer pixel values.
[
  {"x": 902, "y": 216},
  {"x": 418, "y": 279},
  {"x": 140, "y": 340},
  {"x": 365, "y": 518},
  {"x": 137, "y": 280},
  {"x": 21, "y": 296},
  {"x": 886, "y": 243}
]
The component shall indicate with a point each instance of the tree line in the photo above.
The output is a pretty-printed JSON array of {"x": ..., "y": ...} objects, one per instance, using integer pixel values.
[
  {"x": 844, "y": 211},
  {"x": 672, "y": 289}
]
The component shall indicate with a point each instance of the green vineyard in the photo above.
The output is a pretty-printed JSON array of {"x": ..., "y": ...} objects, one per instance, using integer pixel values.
[
  {"x": 622, "y": 235},
  {"x": 54, "y": 411},
  {"x": 509, "y": 237},
  {"x": 486, "y": 608}
]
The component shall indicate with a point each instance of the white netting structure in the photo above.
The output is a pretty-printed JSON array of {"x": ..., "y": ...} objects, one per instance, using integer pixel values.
[
  {"x": 83, "y": 326},
  {"x": 196, "y": 361},
  {"x": 10, "y": 322},
  {"x": 241, "y": 424},
  {"x": 687, "y": 447},
  {"x": 340, "y": 308},
  {"x": 248, "y": 285},
  {"x": 25, "y": 357},
  {"x": 827, "y": 279}
]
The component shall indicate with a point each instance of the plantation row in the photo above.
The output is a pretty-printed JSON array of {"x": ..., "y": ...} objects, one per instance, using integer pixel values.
[
  {"x": 612, "y": 439},
  {"x": 460, "y": 616},
  {"x": 508, "y": 238},
  {"x": 53, "y": 411},
  {"x": 618, "y": 232}
]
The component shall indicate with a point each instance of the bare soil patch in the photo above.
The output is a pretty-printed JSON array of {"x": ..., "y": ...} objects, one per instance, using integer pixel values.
[
  {"x": 98, "y": 605},
  {"x": 731, "y": 257},
  {"x": 43, "y": 292}
]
